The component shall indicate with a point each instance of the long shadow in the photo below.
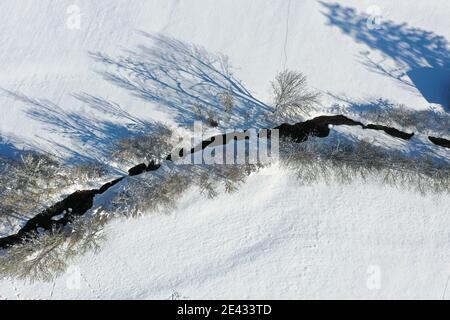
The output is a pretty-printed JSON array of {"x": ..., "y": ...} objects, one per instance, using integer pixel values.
[
  {"x": 9, "y": 150},
  {"x": 99, "y": 136},
  {"x": 387, "y": 112},
  {"x": 427, "y": 122},
  {"x": 184, "y": 80},
  {"x": 421, "y": 57}
]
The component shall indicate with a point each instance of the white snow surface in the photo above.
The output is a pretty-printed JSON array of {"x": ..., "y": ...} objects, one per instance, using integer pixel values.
[
  {"x": 41, "y": 57},
  {"x": 273, "y": 238}
]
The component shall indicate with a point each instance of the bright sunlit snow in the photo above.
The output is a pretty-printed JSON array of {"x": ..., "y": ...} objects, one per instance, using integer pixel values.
[{"x": 272, "y": 238}]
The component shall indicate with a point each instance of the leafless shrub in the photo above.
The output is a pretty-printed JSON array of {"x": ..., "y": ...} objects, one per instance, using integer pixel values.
[
  {"x": 207, "y": 186},
  {"x": 214, "y": 118},
  {"x": 36, "y": 259},
  {"x": 292, "y": 99},
  {"x": 44, "y": 256},
  {"x": 225, "y": 178},
  {"x": 211, "y": 120},
  {"x": 345, "y": 162},
  {"x": 227, "y": 101},
  {"x": 31, "y": 184},
  {"x": 144, "y": 148},
  {"x": 384, "y": 112},
  {"x": 27, "y": 186},
  {"x": 206, "y": 116},
  {"x": 160, "y": 192},
  {"x": 149, "y": 193},
  {"x": 87, "y": 172}
]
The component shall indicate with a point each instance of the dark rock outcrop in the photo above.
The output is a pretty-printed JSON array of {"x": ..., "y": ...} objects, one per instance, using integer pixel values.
[
  {"x": 140, "y": 168},
  {"x": 153, "y": 166},
  {"x": 440, "y": 142},
  {"x": 391, "y": 131}
]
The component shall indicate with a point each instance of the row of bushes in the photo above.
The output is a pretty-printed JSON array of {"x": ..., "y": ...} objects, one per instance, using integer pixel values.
[
  {"x": 46, "y": 255},
  {"x": 36, "y": 181},
  {"x": 29, "y": 185},
  {"x": 429, "y": 122},
  {"x": 343, "y": 162}
]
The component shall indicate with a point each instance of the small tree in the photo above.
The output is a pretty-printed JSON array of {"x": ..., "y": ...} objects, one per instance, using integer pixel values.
[
  {"x": 144, "y": 148},
  {"x": 207, "y": 116},
  {"x": 32, "y": 183},
  {"x": 291, "y": 96},
  {"x": 227, "y": 101}
]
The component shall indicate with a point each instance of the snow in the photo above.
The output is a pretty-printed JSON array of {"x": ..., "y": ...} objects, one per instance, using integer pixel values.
[
  {"x": 41, "y": 57},
  {"x": 273, "y": 238}
]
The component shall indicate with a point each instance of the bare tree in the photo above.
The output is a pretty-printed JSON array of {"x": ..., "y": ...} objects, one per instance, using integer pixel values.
[
  {"x": 45, "y": 256},
  {"x": 429, "y": 121},
  {"x": 27, "y": 186},
  {"x": 227, "y": 101},
  {"x": 144, "y": 148},
  {"x": 344, "y": 162},
  {"x": 207, "y": 116},
  {"x": 291, "y": 95}
]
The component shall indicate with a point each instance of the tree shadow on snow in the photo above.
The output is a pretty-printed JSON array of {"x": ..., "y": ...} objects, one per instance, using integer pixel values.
[
  {"x": 182, "y": 78},
  {"x": 385, "y": 112},
  {"x": 9, "y": 149},
  {"x": 98, "y": 135},
  {"x": 421, "y": 58}
]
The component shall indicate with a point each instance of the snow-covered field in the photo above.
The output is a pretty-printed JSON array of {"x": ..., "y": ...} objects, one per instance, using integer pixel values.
[
  {"x": 44, "y": 55},
  {"x": 273, "y": 238}
]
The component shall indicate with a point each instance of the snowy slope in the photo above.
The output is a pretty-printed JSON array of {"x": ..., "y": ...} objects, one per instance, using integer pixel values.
[{"x": 273, "y": 238}]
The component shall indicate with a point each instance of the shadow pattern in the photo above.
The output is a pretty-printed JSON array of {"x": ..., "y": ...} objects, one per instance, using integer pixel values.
[
  {"x": 182, "y": 78},
  {"x": 100, "y": 136},
  {"x": 421, "y": 58}
]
